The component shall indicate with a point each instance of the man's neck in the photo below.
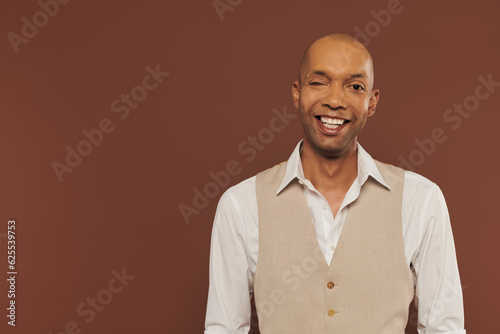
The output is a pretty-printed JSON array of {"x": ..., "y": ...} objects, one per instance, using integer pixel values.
[{"x": 330, "y": 174}]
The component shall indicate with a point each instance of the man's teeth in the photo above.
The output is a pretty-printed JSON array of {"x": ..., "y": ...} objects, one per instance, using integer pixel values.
[{"x": 332, "y": 122}]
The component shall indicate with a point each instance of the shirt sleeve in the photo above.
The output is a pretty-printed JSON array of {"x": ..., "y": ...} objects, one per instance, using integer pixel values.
[
  {"x": 438, "y": 291},
  {"x": 228, "y": 305}
]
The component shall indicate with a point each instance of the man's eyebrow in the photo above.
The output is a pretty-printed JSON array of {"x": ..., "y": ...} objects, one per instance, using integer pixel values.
[
  {"x": 358, "y": 75},
  {"x": 351, "y": 75},
  {"x": 319, "y": 72}
]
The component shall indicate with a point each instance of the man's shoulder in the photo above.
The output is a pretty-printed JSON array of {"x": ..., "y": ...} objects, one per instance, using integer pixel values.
[
  {"x": 240, "y": 190},
  {"x": 418, "y": 188},
  {"x": 246, "y": 188},
  {"x": 410, "y": 176},
  {"x": 415, "y": 185},
  {"x": 419, "y": 179}
]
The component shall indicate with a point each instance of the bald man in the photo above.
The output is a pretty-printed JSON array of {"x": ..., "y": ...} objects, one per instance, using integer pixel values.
[{"x": 332, "y": 240}]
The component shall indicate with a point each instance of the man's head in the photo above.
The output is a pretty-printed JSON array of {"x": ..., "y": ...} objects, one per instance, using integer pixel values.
[{"x": 335, "y": 85}]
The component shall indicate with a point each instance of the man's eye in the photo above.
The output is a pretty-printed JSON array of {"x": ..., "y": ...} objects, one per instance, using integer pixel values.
[
  {"x": 357, "y": 87},
  {"x": 315, "y": 83}
]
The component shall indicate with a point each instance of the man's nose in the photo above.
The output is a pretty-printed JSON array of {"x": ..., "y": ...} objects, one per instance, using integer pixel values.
[{"x": 335, "y": 97}]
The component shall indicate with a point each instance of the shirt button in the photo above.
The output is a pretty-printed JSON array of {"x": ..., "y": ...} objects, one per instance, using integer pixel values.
[
  {"x": 323, "y": 206},
  {"x": 331, "y": 312},
  {"x": 332, "y": 247},
  {"x": 330, "y": 285},
  {"x": 301, "y": 182}
]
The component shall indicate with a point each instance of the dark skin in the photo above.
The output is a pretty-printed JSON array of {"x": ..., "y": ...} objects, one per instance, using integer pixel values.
[{"x": 335, "y": 85}]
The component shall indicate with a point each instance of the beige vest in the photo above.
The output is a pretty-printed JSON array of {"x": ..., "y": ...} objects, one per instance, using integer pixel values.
[{"x": 368, "y": 287}]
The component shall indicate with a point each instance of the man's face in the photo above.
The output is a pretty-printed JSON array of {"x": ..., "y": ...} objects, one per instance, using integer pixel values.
[{"x": 335, "y": 95}]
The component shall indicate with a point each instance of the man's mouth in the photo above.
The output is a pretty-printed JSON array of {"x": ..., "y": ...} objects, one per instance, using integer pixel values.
[{"x": 331, "y": 122}]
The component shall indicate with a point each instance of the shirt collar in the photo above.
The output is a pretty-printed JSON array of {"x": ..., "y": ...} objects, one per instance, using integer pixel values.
[{"x": 366, "y": 167}]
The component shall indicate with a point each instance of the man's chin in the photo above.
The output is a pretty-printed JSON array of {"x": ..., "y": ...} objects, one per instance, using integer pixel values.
[{"x": 332, "y": 149}]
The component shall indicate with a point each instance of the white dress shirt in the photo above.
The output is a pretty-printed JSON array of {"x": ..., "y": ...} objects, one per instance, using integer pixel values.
[{"x": 428, "y": 244}]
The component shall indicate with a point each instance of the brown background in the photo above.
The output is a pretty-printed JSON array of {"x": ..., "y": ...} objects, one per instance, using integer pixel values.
[{"x": 119, "y": 207}]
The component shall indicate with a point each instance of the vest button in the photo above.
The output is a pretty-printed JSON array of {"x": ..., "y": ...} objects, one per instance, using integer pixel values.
[
  {"x": 330, "y": 285},
  {"x": 331, "y": 312}
]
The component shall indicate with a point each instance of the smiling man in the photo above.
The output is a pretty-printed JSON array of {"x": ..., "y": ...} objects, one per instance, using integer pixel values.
[{"x": 332, "y": 240}]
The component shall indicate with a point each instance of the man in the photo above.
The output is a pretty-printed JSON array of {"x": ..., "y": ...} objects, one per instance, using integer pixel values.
[{"x": 333, "y": 241}]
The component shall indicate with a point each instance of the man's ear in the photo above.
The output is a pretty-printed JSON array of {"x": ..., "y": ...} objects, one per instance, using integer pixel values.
[
  {"x": 373, "y": 102},
  {"x": 296, "y": 94}
]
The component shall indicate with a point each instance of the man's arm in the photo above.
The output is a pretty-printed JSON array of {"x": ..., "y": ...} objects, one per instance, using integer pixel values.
[
  {"x": 438, "y": 289},
  {"x": 228, "y": 305}
]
